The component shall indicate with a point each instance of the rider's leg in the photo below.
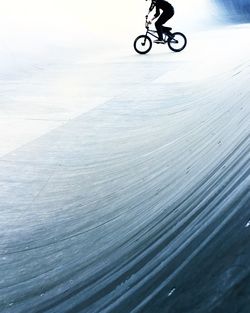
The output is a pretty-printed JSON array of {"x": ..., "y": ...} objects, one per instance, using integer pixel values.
[{"x": 165, "y": 16}]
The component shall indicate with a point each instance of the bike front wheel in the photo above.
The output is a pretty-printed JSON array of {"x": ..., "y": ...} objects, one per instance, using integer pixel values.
[
  {"x": 142, "y": 44},
  {"x": 178, "y": 42}
]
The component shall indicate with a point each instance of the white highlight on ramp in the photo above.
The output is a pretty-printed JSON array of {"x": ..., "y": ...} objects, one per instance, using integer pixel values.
[
  {"x": 210, "y": 53},
  {"x": 247, "y": 224}
]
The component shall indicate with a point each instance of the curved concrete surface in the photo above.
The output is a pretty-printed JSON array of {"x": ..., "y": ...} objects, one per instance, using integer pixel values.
[
  {"x": 139, "y": 203},
  {"x": 237, "y": 10}
]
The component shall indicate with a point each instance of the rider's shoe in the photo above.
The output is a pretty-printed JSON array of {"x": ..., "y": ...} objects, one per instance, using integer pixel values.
[{"x": 159, "y": 41}]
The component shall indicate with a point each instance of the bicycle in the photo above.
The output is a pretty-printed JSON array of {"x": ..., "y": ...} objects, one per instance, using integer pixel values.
[{"x": 176, "y": 41}]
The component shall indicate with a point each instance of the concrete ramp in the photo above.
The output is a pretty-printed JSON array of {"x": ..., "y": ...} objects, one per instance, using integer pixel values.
[{"x": 139, "y": 203}]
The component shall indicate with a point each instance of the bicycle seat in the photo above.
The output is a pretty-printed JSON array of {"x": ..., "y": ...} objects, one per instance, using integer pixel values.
[{"x": 166, "y": 29}]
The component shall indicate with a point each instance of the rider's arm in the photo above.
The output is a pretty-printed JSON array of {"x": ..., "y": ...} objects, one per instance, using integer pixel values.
[{"x": 152, "y": 6}]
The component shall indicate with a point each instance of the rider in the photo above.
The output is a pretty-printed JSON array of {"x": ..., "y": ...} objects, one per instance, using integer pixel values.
[{"x": 168, "y": 12}]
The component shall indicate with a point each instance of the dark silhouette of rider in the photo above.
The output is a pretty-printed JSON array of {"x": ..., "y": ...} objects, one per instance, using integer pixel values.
[{"x": 168, "y": 12}]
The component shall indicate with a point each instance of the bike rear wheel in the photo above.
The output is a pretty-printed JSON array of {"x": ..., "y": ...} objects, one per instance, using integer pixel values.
[
  {"x": 142, "y": 44},
  {"x": 178, "y": 42}
]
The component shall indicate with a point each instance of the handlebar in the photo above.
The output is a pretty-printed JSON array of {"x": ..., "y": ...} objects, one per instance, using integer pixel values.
[{"x": 147, "y": 22}]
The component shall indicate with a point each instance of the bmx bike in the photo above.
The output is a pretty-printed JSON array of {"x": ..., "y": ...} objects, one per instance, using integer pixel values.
[{"x": 176, "y": 41}]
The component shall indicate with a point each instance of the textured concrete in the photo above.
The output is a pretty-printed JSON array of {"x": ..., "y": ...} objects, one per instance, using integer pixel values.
[{"x": 123, "y": 190}]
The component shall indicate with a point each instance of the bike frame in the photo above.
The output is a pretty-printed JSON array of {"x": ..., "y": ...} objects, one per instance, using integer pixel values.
[{"x": 154, "y": 33}]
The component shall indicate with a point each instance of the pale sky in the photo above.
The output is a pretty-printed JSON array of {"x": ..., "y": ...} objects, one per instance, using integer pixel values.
[{"x": 93, "y": 17}]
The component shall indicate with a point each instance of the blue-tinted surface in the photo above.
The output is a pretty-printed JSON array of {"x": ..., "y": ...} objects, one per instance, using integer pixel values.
[{"x": 236, "y": 10}]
